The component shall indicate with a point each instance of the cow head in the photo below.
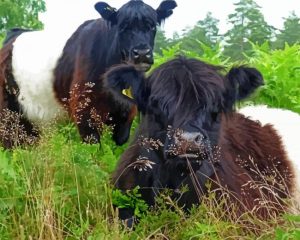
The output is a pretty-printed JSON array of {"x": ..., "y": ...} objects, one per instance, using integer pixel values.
[
  {"x": 182, "y": 103},
  {"x": 135, "y": 24}
]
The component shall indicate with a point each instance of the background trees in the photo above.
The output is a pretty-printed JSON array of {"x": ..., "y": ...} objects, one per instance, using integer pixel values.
[
  {"x": 20, "y": 13},
  {"x": 290, "y": 33},
  {"x": 247, "y": 26},
  {"x": 205, "y": 31}
]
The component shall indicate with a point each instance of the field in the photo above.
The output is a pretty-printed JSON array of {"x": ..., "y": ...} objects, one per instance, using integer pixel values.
[{"x": 59, "y": 189}]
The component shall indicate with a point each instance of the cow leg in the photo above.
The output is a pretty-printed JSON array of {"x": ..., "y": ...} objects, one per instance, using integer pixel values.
[{"x": 136, "y": 168}]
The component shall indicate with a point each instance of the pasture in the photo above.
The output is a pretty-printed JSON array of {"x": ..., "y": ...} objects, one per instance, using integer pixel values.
[{"x": 59, "y": 189}]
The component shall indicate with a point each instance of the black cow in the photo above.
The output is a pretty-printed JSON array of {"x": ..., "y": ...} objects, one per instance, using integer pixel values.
[
  {"x": 190, "y": 133},
  {"x": 45, "y": 76}
]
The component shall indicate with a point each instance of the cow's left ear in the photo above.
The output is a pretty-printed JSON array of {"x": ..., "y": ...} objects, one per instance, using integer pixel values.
[
  {"x": 240, "y": 83},
  {"x": 122, "y": 77},
  {"x": 107, "y": 12},
  {"x": 165, "y": 10}
]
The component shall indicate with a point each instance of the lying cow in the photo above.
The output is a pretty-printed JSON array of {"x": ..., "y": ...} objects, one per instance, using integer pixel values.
[{"x": 190, "y": 134}]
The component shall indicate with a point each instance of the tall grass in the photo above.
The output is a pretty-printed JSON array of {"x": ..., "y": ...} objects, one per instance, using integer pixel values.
[{"x": 59, "y": 188}]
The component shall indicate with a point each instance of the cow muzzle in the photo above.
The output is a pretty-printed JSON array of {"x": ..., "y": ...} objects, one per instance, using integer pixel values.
[
  {"x": 184, "y": 145},
  {"x": 142, "y": 58}
]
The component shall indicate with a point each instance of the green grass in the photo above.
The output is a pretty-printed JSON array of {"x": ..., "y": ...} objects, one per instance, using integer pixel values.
[{"x": 59, "y": 189}]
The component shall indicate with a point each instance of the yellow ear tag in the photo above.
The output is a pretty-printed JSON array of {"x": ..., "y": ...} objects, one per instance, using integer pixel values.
[{"x": 127, "y": 92}]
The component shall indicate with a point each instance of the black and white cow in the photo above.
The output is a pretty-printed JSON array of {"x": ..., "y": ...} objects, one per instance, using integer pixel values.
[{"x": 45, "y": 75}]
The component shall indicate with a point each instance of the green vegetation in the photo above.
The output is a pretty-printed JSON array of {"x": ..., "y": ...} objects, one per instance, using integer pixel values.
[
  {"x": 60, "y": 189},
  {"x": 20, "y": 13},
  {"x": 1, "y": 41},
  {"x": 247, "y": 26},
  {"x": 281, "y": 70}
]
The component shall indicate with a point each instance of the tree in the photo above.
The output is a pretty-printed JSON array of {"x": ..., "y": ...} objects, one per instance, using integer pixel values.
[
  {"x": 205, "y": 31},
  {"x": 210, "y": 26},
  {"x": 290, "y": 33},
  {"x": 249, "y": 25},
  {"x": 161, "y": 41},
  {"x": 20, "y": 13}
]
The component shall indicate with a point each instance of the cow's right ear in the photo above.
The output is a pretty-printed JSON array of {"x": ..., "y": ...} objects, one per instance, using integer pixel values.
[
  {"x": 107, "y": 12},
  {"x": 165, "y": 10},
  {"x": 122, "y": 77},
  {"x": 241, "y": 82}
]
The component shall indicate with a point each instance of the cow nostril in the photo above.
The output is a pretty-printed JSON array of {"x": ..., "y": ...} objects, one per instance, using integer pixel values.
[
  {"x": 148, "y": 53},
  {"x": 198, "y": 139},
  {"x": 136, "y": 53}
]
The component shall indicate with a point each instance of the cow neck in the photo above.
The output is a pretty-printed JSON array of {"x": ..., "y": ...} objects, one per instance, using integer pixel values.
[{"x": 112, "y": 52}]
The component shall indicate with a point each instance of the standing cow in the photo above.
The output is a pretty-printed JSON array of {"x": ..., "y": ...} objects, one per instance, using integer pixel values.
[{"x": 46, "y": 76}]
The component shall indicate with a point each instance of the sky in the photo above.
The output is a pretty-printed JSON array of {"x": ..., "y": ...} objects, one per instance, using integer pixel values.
[{"x": 70, "y": 13}]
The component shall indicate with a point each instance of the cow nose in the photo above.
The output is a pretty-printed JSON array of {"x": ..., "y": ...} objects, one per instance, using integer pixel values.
[
  {"x": 142, "y": 55},
  {"x": 194, "y": 138}
]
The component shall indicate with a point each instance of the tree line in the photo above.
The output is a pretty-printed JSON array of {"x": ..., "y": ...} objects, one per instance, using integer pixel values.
[
  {"x": 248, "y": 27},
  {"x": 247, "y": 21}
]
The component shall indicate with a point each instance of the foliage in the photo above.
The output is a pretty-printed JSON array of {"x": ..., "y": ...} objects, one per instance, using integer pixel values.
[
  {"x": 212, "y": 55},
  {"x": 1, "y": 41},
  {"x": 161, "y": 41},
  {"x": 205, "y": 31},
  {"x": 249, "y": 25},
  {"x": 292, "y": 232},
  {"x": 290, "y": 32},
  {"x": 20, "y": 13},
  {"x": 130, "y": 199},
  {"x": 281, "y": 71}
]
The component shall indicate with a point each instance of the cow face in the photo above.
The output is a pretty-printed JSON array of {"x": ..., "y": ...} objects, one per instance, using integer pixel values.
[
  {"x": 204, "y": 94},
  {"x": 135, "y": 24},
  {"x": 182, "y": 102}
]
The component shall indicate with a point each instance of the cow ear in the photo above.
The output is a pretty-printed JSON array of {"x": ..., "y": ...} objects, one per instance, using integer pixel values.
[
  {"x": 107, "y": 12},
  {"x": 122, "y": 77},
  {"x": 165, "y": 10},
  {"x": 241, "y": 82}
]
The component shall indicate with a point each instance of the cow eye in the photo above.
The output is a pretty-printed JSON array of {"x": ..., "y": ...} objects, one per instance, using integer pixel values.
[{"x": 153, "y": 28}]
